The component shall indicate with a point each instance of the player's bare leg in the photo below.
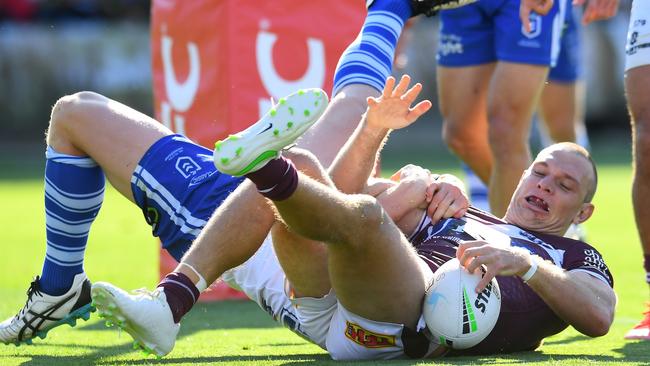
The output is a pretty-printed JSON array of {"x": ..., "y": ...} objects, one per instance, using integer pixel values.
[
  {"x": 636, "y": 87},
  {"x": 152, "y": 318},
  {"x": 513, "y": 95},
  {"x": 113, "y": 134},
  {"x": 370, "y": 259},
  {"x": 463, "y": 104},
  {"x": 89, "y": 136},
  {"x": 561, "y": 108}
]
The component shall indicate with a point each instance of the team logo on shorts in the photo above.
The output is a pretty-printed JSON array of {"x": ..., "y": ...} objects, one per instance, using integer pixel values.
[
  {"x": 187, "y": 166},
  {"x": 367, "y": 338},
  {"x": 535, "y": 26}
]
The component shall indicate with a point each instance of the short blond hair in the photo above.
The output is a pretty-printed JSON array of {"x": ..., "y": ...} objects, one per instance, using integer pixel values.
[{"x": 581, "y": 151}]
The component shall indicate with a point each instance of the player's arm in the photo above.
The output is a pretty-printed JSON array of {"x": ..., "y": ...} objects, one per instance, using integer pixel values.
[
  {"x": 585, "y": 302},
  {"x": 580, "y": 299},
  {"x": 415, "y": 190},
  {"x": 392, "y": 110}
]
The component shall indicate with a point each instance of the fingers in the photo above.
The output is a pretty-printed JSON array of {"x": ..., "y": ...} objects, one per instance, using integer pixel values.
[
  {"x": 524, "y": 15},
  {"x": 543, "y": 6},
  {"x": 419, "y": 109},
  {"x": 388, "y": 88},
  {"x": 463, "y": 246},
  {"x": 487, "y": 277},
  {"x": 599, "y": 10},
  {"x": 401, "y": 87},
  {"x": 439, "y": 204},
  {"x": 445, "y": 200},
  {"x": 412, "y": 93}
]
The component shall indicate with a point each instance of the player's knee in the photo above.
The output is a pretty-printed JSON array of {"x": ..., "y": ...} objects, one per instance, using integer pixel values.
[
  {"x": 458, "y": 139},
  {"x": 306, "y": 162},
  {"x": 369, "y": 217},
  {"x": 68, "y": 106},
  {"x": 506, "y": 139}
]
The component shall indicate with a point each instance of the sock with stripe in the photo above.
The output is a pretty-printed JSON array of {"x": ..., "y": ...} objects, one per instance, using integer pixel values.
[
  {"x": 478, "y": 191},
  {"x": 277, "y": 180},
  {"x": 646, "y": 266},
  {"x": 369, "y": 58},
  {"x": 74, "y": 192},
  {"x": 181, "y": 294}
]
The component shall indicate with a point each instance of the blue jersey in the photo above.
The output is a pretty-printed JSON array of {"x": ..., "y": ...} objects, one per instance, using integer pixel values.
[
  {"x": 178, "y": 188},
  {"x": 490, "y": 30}
]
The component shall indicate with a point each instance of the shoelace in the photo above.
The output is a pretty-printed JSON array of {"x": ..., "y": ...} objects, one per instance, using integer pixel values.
[
  {"x": 34, "y": 289},
  {"x": 151, "y": 295}
]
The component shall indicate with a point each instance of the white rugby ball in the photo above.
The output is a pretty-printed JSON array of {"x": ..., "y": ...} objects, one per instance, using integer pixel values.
[{"x": 455, "y": 314}]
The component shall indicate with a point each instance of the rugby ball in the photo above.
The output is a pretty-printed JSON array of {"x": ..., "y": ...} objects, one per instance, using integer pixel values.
[{"x": 455, "y": 314}]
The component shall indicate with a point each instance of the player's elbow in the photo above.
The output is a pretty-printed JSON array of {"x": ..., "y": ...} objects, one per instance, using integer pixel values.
[{"x": 600, "y": 320}]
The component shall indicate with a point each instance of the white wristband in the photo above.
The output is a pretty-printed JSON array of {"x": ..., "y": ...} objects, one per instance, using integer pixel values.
[{"x": 531, "y": 271}]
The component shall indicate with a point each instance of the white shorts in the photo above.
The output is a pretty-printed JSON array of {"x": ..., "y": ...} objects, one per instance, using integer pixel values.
[
  {"x": 323, "y": 321},
  {"x": 637, "y": 48}
]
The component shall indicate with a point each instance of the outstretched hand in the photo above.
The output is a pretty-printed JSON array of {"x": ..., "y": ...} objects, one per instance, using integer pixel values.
[{"x": 392, "y": 110}]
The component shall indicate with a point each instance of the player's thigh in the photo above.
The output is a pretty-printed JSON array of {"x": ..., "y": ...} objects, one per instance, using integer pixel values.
[
  {"x": 637, "y": 89},
  {"x": 462, "y": 94},
  {"x": 637, "y": 66},
  {"x": 513, "y": 94},
  {"x": 113, "y": 134},
  {"x": 304, "y": 262},
  {"x": 558, "y": 108},
  {"x": 380, "y": 276}
]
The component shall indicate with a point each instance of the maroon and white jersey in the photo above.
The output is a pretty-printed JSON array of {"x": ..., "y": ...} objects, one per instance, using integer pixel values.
[{"x": 525, "y": 319}]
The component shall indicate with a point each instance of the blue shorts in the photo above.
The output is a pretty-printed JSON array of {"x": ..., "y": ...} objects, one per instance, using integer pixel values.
[
  {"x": 178, "y": 188},
  {"x": 490, "y": 30},
  {"x": 567, "y": 68}
]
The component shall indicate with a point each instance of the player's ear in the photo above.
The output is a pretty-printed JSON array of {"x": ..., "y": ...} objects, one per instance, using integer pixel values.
[{"x": 585, "y": 213}]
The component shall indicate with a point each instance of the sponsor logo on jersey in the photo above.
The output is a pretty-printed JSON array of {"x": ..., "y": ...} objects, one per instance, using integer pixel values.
[
  {"x": 450, "y": 44},
  {"x": 200, "y": 178},
  {"x": 187, "y": 166},
  {"x": 535, "y": 26},
  {"x": 366, "y": 338},
  {"x": 174, "y": 154}
]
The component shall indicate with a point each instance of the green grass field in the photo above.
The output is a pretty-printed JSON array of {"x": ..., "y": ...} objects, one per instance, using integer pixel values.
[{"x": 121, "y": 250}]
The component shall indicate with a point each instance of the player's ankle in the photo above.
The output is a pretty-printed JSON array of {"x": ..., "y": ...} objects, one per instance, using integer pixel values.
[
  {"x": 277, "y": 180},
  {"x": 180, "y": 292}
]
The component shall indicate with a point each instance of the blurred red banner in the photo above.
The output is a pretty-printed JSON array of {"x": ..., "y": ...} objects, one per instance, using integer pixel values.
[{"x": 217, "y": 63}]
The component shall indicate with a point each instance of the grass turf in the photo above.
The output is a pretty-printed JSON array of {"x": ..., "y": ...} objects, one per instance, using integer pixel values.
[{"x": 121, "y": 250}]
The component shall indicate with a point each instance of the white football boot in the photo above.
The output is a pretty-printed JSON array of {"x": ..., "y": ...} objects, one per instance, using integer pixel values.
[
  {"x": 43, "y": 312},
  {"x": 249, "y": 150},
  {"x": 145, "y": 315}
]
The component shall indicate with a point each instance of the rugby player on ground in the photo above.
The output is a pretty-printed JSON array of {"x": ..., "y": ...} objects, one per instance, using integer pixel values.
[
  {"x": 369, "y": 307},
  {"x": 91, "y": 136}
]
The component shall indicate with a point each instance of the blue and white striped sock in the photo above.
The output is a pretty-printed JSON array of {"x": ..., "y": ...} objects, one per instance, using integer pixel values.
[
  {"x": 369, "y": 58},
  {"x": 478, "y": 191},
  {"x": 74, "y": 192}
]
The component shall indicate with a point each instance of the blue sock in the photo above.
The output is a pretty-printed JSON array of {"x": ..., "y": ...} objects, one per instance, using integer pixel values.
[
  {"x": 478, "y": 191},
  {"x": 369, "y": 58},
  {"x": 74, "y": 191}
]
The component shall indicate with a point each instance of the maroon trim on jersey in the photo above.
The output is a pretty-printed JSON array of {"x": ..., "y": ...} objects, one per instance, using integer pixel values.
[{"x": 525, "y": 319}]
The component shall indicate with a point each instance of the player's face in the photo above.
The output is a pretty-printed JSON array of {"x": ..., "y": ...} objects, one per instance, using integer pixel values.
[{"x": 550, "y": 195}]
